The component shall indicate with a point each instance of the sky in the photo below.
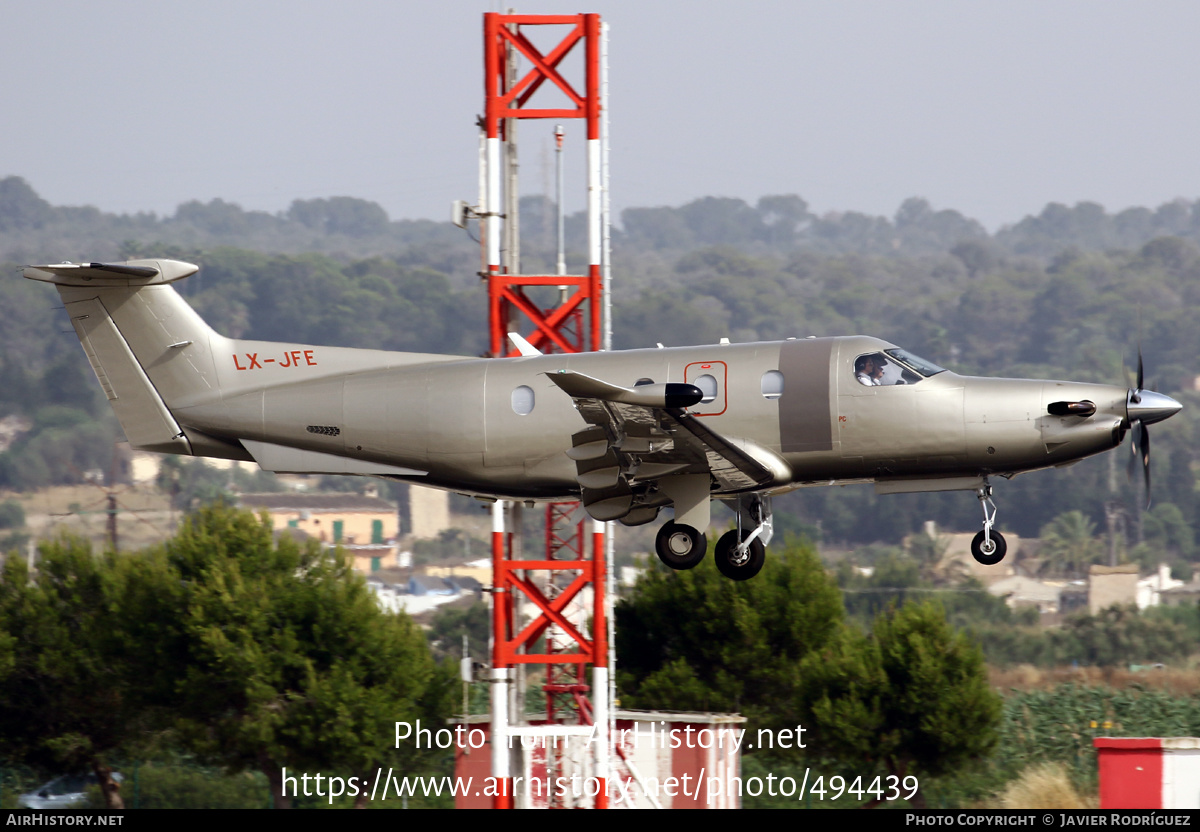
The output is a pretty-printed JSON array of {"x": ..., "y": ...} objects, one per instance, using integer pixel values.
[{"x": 993, "y": 108}]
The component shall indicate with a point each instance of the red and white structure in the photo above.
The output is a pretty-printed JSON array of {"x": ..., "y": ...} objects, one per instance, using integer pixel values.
[
  {"x": 665, "y": 760},
  {"x": 541, "y": 606},
  {"x": 574, "y": 325},
  {"x": 1149, "y": 772}
]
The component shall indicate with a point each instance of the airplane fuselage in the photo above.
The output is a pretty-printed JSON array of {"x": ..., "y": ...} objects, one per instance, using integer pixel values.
[
  {"x": 628, "y": 433},
  {"x": 500, "y": 427}
]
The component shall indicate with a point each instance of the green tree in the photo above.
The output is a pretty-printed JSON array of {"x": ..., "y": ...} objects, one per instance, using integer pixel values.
[
  {"x": 1165, "y": 528},
  {"x": 1070, "y": 541},
  {"x": 20, "y": 207},
  {"x": 696, "y": 641},
  {"x": 340, "y": 215},
  {"x": 287, "y": 660},
  {"x": 12, "y": 515},
  {"x": 911, "y": 699},
  {"x": 450, "y": 624},
  {"x": 76, "y": 663}
]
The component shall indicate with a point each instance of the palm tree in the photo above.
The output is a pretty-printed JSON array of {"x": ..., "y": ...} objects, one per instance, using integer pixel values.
[{"x": 1070, "y": 540}]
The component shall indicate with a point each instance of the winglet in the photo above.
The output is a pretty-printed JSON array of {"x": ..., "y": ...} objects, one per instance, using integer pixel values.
[{"x": 523, "y": 346}]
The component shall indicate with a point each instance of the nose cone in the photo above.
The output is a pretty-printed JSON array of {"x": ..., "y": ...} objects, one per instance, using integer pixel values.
[{"x": 1149, "y": 407}]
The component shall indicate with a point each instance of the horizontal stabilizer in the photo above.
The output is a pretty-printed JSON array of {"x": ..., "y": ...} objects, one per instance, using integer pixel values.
[
  {"x": 285, "y": 460},
  {"x": 132, "y": 273}
]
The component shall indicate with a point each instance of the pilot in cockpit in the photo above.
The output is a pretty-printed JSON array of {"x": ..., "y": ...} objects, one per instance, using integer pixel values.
[
  {"x": 868, "y": 369},
  {"x": 892, "y": 368}
]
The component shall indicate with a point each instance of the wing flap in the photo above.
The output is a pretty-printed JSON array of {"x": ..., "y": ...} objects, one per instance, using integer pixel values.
[{"x": 642, "y": 434}]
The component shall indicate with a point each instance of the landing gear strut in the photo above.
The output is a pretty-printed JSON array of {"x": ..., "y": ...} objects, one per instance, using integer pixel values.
[
  {"x": 988, "y": 547},
  {"x": 742, "y": 552},
  {"x": 680, "y": 546}
]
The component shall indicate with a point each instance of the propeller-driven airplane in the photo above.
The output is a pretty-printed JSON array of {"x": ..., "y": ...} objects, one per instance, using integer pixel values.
[{"x": 627, "y": 433}]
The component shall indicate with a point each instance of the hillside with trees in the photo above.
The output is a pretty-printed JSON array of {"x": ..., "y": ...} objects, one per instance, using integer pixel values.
[{"x": 1069, "y": 293}]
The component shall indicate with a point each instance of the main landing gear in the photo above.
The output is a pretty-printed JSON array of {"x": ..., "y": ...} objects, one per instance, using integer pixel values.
[
  {"x": 680, "y": 546},
  {"x": 740, "y": 553},
  {"x": 988, "y": 547}
]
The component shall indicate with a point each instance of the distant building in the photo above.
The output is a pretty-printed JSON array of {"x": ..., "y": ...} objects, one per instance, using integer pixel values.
[
  {"x": 957, "y": 557},
  {"x": 480, "y": 570},
  {"x": 430, "y": 585},
  {"x": 1186, "y": 594},
  {"x": 1019, "y": 591},
  {"x": 428, "y": 511},
  {"x": 1109, "y": 585},
  {"x": 464, "y": 584},
  {"x": 366, "y": 526},
  {"x": 1149, "y": 590}
]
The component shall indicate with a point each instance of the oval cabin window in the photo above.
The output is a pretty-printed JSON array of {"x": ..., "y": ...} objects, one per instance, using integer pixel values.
[
  {"x": 772, "y": 384},
  {"x": 708, "y": 386},
  {"x": 522, "y": 400}
]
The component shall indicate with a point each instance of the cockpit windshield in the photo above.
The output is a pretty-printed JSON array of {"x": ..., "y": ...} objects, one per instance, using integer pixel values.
[
  {"x": 894, "y": 366},
  {"x": 916, "y": 363}
]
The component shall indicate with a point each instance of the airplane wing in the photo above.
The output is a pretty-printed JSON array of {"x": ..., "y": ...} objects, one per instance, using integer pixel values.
[{"x": 644, "y": 433}]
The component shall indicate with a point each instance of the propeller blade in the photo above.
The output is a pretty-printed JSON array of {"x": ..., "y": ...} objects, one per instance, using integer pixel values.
[
  {"x": 1134, "y": 430},
  {"x": 1146, "y": 461},
  {"x": 1141, "y": 373}
]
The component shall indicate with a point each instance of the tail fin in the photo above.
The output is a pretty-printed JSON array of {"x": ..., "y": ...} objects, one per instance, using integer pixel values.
[{"x": 148, "y": 348}]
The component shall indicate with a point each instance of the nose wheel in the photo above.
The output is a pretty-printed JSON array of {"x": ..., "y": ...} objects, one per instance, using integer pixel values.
[
  {"x": 988, "y": 547},
  {"x": 680, "y": 546}
]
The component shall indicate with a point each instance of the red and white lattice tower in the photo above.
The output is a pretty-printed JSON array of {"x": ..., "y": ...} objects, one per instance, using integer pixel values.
[{"x": 567, "y": 575}]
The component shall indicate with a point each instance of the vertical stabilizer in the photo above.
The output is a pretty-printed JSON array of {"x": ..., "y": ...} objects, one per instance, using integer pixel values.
[{"x": 148, "y": 348}]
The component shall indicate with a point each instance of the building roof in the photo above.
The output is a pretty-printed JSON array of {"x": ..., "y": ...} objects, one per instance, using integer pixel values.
[
  {"x": 1123, "y": 569},
  {"x": 1186, "y": 589},
  {"x": 299, "y": 535},
  {"x": 1021, "y": 588},
  {"x": 428, "y": 584},
  {"x": 329, "y": 501}
]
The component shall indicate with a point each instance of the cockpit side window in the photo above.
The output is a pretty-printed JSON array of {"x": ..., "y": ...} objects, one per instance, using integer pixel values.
[{"x": 891, "y": 367}]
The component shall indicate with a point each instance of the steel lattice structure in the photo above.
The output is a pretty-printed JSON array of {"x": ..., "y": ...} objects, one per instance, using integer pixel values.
[{"x": 566, "y": 573}]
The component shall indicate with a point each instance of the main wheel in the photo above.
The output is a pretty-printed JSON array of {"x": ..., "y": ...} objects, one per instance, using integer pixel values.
[
  {"x": 745, "y": 567},
  {"x": 680, "y": 546},
  {"x": 991, "y": 551}
]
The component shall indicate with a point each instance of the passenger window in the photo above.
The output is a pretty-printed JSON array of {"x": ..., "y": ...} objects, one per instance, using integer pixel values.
[
  {"x": 708, "y": 386},
  {"x": 522, "y": 400},
  {"x": 772, "y": 384}
]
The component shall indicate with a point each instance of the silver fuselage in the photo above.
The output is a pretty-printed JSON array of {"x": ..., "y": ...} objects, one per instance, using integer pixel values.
[{"x": 455, "y": 419}]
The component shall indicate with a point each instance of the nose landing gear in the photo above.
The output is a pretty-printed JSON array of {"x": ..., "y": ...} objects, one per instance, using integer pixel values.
[{"x": 988, "y": 547}]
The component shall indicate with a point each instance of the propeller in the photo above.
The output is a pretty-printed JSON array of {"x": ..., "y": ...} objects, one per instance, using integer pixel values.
[{"x": 1144, "y": 407}]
